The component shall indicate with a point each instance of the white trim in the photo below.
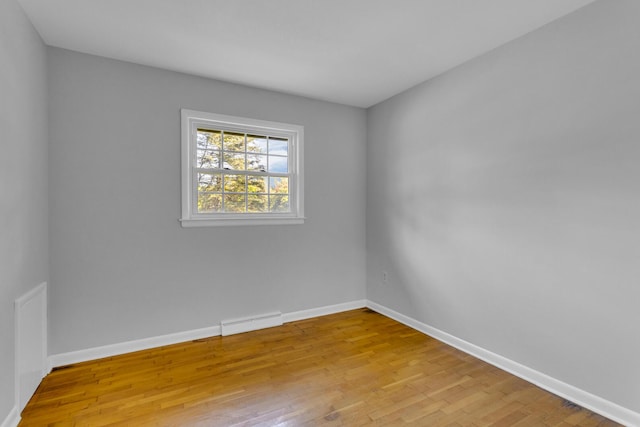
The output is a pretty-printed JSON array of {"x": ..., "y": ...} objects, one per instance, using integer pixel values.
[
  {"x": 39, "y": 291},
  {"x": 94, "y": 353},
  {"x": 72, "y": 357},
  {"x": 250, "y": 323},
  {"x": 12, "y": 419},
  {"x": 48, "y": 366},
  {"x": 583, "y": 398},
  {"x": 201, "y": 222},
  {"x": 191, "y": 120},
  {"x": 323, "y": 311}
]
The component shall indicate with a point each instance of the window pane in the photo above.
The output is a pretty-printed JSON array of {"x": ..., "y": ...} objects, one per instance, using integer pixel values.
[
  {"x": 234, "y": 183},
  {"x": 234, "y": 202},
  {"x": 208, "y": 139},
  {"x": 256, "y": 162},
  {"x": 257, "y": 203},
  {"x": 256, "y": 144},
  {"x": 278, "y": 164},
  {"x": 256, "y": 184},
  {"x": 279, "y": 203},
  {"x": 208, "y": 159},
  {"x": 233, "y": 141},
  {"x": 279, "y": 185},
  {"x": 210, "y": 182},
  {"x": 233, "y": 161},
  {"x": 209, "y": 202},
  {"x": 279, "y": 146}
]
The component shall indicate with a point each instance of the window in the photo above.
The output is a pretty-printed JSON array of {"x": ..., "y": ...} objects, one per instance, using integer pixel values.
[{"x": 238, "y": 171}]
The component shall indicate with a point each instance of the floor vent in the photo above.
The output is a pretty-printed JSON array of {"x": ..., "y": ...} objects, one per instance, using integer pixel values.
[{"x": 253, "y": 323}]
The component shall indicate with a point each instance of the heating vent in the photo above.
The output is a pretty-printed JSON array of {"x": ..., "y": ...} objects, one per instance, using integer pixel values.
[
  {"x": 253, "y": 323},
  {"x": 31, "y": 342}
]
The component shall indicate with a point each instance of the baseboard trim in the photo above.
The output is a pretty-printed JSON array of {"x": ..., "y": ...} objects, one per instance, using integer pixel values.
[
  {"x": 250, "y": 323},
  {"x": 323, "y": 311},
  {"x": 583, "y": 398},
  {"x": 101, "y": 352},
  {"x": 12, "y": 419}
]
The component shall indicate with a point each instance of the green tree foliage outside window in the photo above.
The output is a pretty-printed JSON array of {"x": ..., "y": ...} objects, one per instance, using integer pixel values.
[{"x": 241, "y": 173}]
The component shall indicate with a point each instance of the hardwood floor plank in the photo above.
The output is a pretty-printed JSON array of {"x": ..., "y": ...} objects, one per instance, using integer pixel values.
[{"x": 356, "y": 368}]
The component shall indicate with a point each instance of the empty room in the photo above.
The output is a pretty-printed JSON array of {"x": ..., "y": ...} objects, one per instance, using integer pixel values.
[{"x": 306, "y": 212}]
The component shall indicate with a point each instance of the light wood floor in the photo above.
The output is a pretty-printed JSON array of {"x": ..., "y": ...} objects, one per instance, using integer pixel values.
[{"x": 356, "y": 368}]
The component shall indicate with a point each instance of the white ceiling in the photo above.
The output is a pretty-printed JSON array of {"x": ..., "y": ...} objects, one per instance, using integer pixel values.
[{"x": 354, "y": 52}]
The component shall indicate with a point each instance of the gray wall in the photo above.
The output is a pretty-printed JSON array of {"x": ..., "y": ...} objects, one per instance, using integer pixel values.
[
  {"x": 503, "y": 200},
  {"x": 122, "y": 268},
  {"x": 23, "y": 177}
]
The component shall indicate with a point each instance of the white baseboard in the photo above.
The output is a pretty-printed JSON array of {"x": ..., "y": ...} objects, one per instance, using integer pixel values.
[
  {"x": 72, "y": 357},
  {"x": 250, "y": 323},
  {"x": 323, "y": 311},
  {"x": 12, "y": 419},
  {"x": 63, "y": 359},
  {"x": 578, "y": 396}
]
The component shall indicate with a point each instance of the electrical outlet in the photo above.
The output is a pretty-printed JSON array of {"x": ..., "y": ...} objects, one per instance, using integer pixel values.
[{"x": 385, "y": 277}]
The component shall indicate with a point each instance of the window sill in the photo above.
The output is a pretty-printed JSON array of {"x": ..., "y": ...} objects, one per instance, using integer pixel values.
[{"x": 217, "y": 222}]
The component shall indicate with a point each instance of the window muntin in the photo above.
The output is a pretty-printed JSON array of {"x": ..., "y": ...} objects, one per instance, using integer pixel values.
[
  {"x": 236, "y": 177},
  {"x": 240, "y": 171}
]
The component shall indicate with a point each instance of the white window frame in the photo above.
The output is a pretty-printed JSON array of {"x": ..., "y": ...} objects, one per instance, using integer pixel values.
[{"x": 191, "y": 120}]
